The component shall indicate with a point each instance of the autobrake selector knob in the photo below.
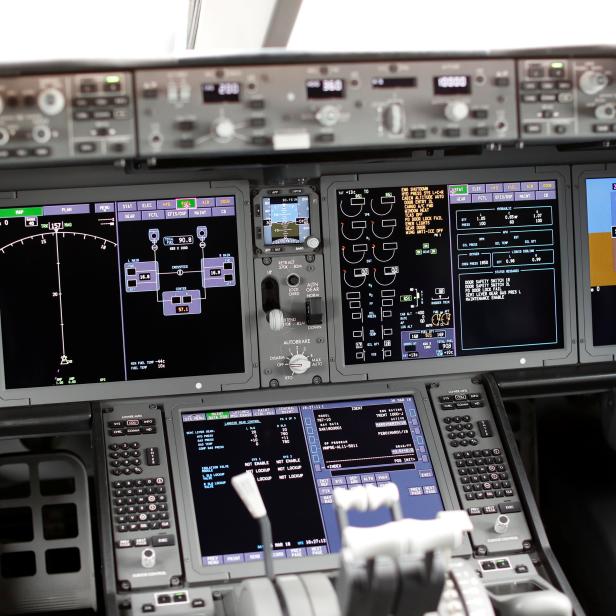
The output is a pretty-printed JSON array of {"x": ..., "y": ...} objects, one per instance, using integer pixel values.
[
  {"x": 393, "y": 118},
  {"x": 299, "y": 363},
  {"x": 51, "y": 101},
  {"x": 592, "y": 82},
  {"x": 456, "y": 111}
]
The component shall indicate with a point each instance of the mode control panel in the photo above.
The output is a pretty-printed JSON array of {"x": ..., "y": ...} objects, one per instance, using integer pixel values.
[
  {"x": 289, "y": 279},
  {"x": 145, "y": 533},
  {"x": 480, "y": 467},
  {"x": 52, "y": 118},
  {"x": 567, "y": 98},
  {"x": 249, "y": 109}
]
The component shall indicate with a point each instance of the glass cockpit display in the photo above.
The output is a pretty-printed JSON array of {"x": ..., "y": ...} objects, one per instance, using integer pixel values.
[
  {"x": 120, "y": 291},
  {"x": 601, "y": 211},
  {"x": 449, "y": 270},
  {"x": 286, "y": 219},
  {"x": 299, "y": 454}
]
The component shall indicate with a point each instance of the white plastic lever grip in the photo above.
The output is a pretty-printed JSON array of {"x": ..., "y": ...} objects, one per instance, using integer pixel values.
[
  {"x": 407, "y": 536},
  {"x": 275, "y": 318},
  {"x": 385, "y": 495},
  {"x": 355, "y": 498},
  {"x": 246, "y": 487}
]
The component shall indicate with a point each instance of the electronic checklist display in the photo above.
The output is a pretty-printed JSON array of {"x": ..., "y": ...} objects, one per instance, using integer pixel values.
[
  {"x": 123, "y": 290},
  {"x": 601, "y": 220},
  {"x": 450, "y": 268},
  {"x": 299, "y": 454}
]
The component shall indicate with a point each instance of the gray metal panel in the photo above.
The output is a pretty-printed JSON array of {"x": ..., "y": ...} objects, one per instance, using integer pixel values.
[
  {"x": 589, "y": 352},
  {"x": 342, "y": 372},
  {"x": 194, "y": 571},
  {"x": 248, "y": 379}
]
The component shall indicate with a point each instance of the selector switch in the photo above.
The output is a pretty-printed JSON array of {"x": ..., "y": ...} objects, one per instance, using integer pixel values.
[
  {"x": 51, "y": 101},
  {"x": 592, "y": 82},
  {"x": 456, "y": 111},
  {"x": 299, "y": 364}
]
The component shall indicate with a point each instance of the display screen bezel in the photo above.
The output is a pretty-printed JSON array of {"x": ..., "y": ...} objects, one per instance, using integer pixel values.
[
  {"x": 335, "y": 393},
  {"x": 450, "y": 365},
  {"x": 589, "y": 351},
  {"x": 161, "y": 386}
]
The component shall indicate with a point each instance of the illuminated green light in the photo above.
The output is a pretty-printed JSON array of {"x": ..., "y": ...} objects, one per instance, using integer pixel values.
[
  {"x": 558, "y": 65},
  {"x": 184, "y": 204},
  {"x": 112, "y": 79},
  {"x": 460, "y": 189},
  {"x": 21, "y": 212},
  {"x": 217, "y": 415}
]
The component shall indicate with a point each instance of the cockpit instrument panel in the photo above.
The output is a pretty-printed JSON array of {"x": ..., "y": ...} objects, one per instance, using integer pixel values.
[
  {"x": 125, "y": 286},
  {"x": 443, "y": 266}
]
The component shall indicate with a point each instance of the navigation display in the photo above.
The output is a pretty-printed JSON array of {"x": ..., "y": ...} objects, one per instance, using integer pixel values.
[
  {"x": 120, "y": 291},
  {"x": 286, "y": 219},
  {"x": 298, "y": 455},
  {"x": 449, "y": 270},
  {"x": 601, "y": 210}
]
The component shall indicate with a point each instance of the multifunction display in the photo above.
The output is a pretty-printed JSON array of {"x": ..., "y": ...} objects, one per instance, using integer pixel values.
[
  {"x": 286, "y": 219},
  {"x": 449, "y": 270},
  {"x": 124, "y": 290},
  {"x": 298, "y": 455},
  {"x": 601, "y": 208}
]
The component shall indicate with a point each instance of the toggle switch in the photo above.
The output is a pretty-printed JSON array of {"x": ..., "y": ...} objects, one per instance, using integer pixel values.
[{"x": 314, "y": 311}]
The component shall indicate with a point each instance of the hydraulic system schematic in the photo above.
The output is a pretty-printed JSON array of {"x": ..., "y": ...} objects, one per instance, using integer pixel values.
[
  {"x": 120, "y": 290},
  {"x": 446, "y": 270}
]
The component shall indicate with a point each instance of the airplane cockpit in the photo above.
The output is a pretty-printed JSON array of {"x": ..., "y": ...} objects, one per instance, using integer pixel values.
[{"x": 306, "y": 309}]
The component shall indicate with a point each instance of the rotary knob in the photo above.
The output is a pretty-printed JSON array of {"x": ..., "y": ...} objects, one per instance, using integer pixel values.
[
  {"x": 51, "y": 101},
  {"x": 5, "y": 136},
  {"x": 312, "y": 242},
  {"x": 456, "y": 111},
  {"x": 393, "y": 118},
  {"x": 223, "y": 129},
  {"x": 606, "y": 111},
  {"x": 592, "y": 82},
  {"x": 328, "y": 115},
  {"x": 41, "y": 133},
  {"x": 501, "y": 524},
  {"x": 299, "y": 363}
]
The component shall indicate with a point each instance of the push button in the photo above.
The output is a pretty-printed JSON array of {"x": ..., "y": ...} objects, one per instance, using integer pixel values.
[{"x": 510, "y": 507}]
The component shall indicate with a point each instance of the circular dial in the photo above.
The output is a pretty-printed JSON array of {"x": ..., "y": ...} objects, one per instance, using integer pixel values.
[
  {"x": 312, "y": 242},
  {"x": 51, "y": 101},
  {"x": 299, "y": 363},
  {"x": 4, "y": 135},
  {"x": 456, "y": 111},
  {"x": 592, "y": 82},
  {"x": 606, "y": 111},
  {"x": 224, "y": 129},
  {"x": 328, "y": 115}
]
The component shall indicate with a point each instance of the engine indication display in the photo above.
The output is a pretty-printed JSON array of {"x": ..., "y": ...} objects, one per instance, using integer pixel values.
[
  {"x": 447, "y": 270},
  {"x": 104, "y": 291}
]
